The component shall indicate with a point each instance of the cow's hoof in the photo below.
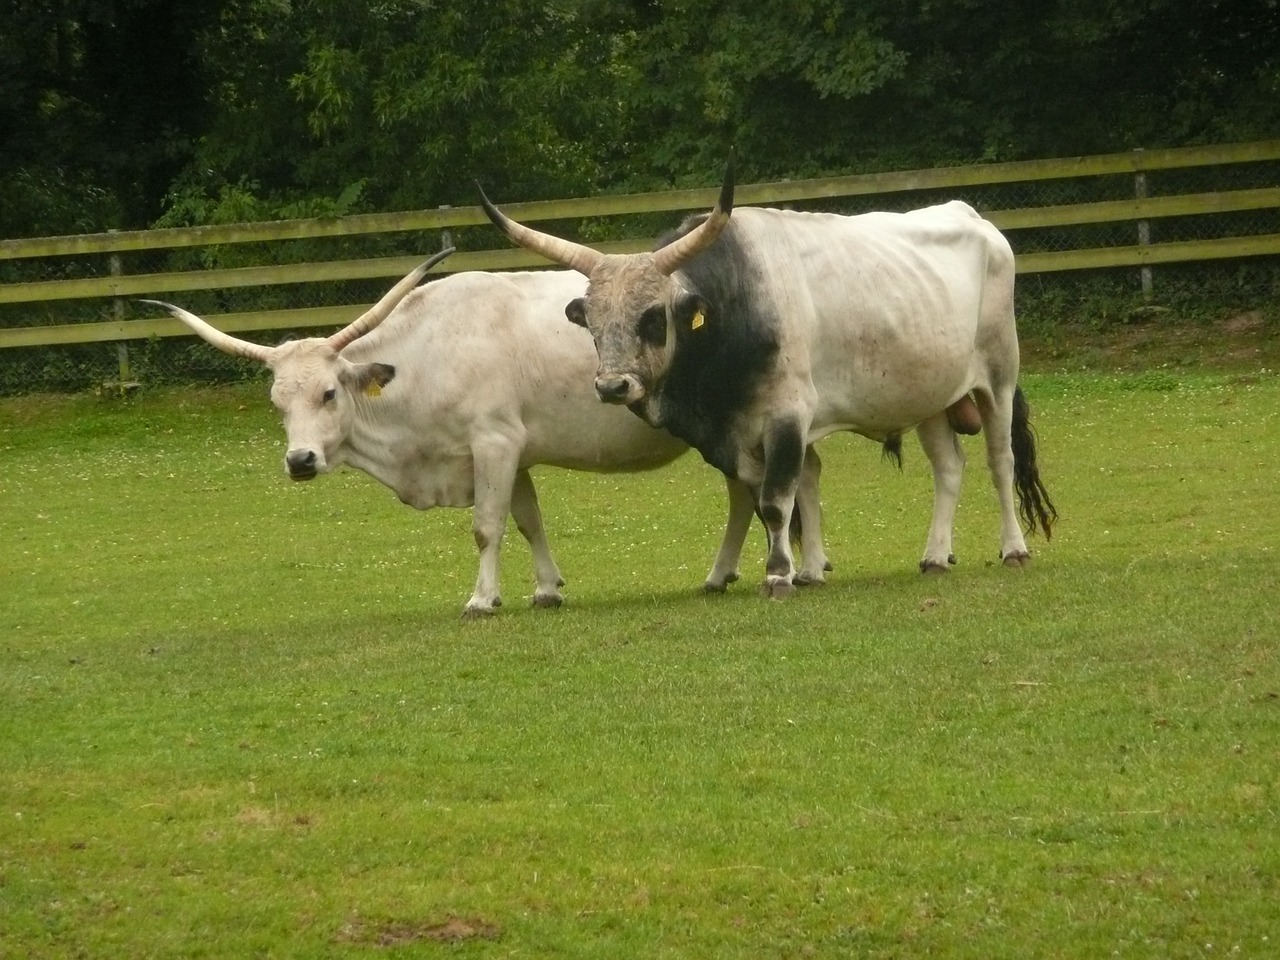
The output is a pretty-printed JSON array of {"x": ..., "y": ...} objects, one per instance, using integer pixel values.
[
  {"x": 1018, "y": 560},
  {"x": 827, "y": 567},
  {"x": 803, "y": 579},
  {"x": 719, "y": 586},
  {"x": 547, "y": 601},
  {"x": 933, "y": 567},
  {"x": 478, "y": 611},
  {"x": 777, "y": 588}
]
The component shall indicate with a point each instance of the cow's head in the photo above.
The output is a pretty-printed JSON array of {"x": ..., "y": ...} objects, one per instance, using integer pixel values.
[
  {"x": 634, "y": 302},
  {"x": 314, "y": 387}
]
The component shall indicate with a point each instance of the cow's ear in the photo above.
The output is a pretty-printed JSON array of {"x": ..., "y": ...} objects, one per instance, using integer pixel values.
[
  {"x": 691, "y": 312},
  {"x": 369, "y": 378},
  {"x": 576, "y": 311}
]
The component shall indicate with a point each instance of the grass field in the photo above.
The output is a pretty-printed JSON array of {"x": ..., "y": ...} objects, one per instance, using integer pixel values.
[{"x": 241, "y": 717}]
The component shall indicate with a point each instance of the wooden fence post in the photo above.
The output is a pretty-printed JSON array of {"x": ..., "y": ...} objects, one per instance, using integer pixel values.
[
  {"x": 124, "y": 378},
  {"x": 1144, "y": 229},
  {"x": 446, "y": 235}
]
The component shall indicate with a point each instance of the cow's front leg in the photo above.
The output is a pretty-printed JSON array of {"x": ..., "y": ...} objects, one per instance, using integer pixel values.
[
  {"x": 528, "y": 517},
  {"x": 946, "y": 457},
  {"x": 783, "y": 461},
  {"x": 814, "y": 564},
  {"x": 741, "y": 510},
  {"x": 495, "y": 467}
]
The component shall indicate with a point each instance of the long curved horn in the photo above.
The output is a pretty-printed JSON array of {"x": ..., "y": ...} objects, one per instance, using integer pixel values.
[
  {"x": 575, "y": 256},
  {"x": 379, "y": 311},
  {"x": 675, "y": 255},
  {"x": 223, "y": 341}
]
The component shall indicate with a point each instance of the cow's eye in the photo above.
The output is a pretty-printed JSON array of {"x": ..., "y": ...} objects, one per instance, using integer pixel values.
[
  {"x": 330, "y": 394},
  {"x": 653, "y": 326}
]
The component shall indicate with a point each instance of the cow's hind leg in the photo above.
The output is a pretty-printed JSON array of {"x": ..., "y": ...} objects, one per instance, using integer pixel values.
[
  {"x": 741, "y": 509},
  {"x": 997, "y": 419},
  {"x": 495, "y": 468},
  {"x": 814, "y": 564},
  {"x": 528, "y": 517},
  {"x": 946, "y": 457}
]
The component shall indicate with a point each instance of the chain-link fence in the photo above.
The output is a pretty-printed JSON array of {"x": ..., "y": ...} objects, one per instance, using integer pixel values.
[{"x": 1192, "y": 290}]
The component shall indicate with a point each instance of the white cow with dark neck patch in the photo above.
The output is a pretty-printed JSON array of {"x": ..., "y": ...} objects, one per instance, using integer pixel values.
[
  {"x": 753, "y": 336},
  {"x": 470, "y": 381}
]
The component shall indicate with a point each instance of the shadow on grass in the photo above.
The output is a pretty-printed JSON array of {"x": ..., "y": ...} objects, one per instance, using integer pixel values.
[{"x": 745, "y": 594}]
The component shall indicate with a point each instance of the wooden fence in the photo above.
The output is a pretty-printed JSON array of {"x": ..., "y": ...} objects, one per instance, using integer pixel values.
[{"x": 1139, "y": 210}]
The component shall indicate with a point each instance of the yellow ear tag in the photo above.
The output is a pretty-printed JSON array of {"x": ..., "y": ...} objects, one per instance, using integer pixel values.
[
  {"x": 374, "y": 389},
  {"x": 698, "y": 320}
]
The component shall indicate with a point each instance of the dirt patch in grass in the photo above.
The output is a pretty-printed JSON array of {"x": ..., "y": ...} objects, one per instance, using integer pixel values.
[
  {"x": 1240, "y": 324},
  {"x": 1236, "y": 342},
  {"x": 395, "y": 933}
]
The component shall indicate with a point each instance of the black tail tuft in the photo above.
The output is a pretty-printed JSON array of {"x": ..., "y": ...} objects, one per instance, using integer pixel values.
[
  {"x": 892, "y": 449},
  {"x": 796, "y": 530},
  {"x": 1033, "y": 500}
]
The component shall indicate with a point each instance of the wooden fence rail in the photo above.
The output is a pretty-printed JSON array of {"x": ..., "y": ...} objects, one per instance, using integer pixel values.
[{"x": 1140, "y": 209}]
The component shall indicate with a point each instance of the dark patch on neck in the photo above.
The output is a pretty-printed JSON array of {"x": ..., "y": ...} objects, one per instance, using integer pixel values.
[{"x": 717, "y": 369}]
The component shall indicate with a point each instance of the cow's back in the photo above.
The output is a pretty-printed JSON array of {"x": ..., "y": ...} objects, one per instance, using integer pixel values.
[
  {"x": 478, "y": 352},
  {"x": 878, "y": 317}
]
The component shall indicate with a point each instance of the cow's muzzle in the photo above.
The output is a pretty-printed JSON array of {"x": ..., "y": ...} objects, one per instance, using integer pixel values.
[
  {"x": 619, "y": 389},
  {"x": 301, "y": 464}
]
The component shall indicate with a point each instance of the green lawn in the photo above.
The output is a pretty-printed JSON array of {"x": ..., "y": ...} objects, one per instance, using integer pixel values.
[{"x": 241, "y": 717}]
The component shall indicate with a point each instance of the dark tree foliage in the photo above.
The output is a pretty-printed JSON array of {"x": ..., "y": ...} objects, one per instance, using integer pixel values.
[
  {"x": 398, "y": 105},
  {"x": 775, "y": 80},
  {"x": 100, "y": 102},
  {"x": 1000, "y": 79},
  {"x": 115, "y": 111},
  {"x": 826, "y": 85}
]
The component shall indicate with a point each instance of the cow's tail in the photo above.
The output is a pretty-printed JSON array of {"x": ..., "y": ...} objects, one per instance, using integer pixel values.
[
  {"x": 892, "y": 449},
  {"x": 1033, "y": 500}
]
